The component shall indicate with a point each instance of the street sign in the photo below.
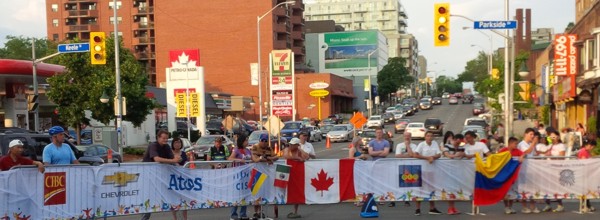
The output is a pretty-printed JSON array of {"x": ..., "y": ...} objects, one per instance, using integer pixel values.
[
  {"x": 495, "y": 24},
  {"x": 319, "y": 93},
  {"x": 74, "y": 48},
  {"x": 358, "y": 120}
]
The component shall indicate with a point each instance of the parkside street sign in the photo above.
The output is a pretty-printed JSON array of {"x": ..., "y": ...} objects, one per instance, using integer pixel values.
[
  {"x": 74, "y": 48},
  {"x": 495, "y": 24}
]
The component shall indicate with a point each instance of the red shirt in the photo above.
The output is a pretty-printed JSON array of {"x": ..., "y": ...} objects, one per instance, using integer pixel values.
[
  {"x": 583, "y": 154},
  {"x": 6, "y": 162},
  {"x": 514, "y": 152}
]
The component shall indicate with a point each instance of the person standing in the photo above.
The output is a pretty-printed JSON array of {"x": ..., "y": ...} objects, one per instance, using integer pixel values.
[
  {"x": 160, "y": 152},
  {"x": 176, "y": 146},
  {"x": 261, "y": 152},
  {"x": 293, "y": 152},
  {"x": 218, "y": 153},
  {"x": 454, "y": 151},
  {"x": 15, "y": 158},
  {"x": 514, "y": 152},
  {"x": 428, "y": 150},
  {"x": 58, "y": 152},
  {"x": 357, "y": 150},
  {"x": 379, "y": 147},
  {"x": 239, "y": 156},
  {"x": 586, "y": 153},
  {"x": 473, "y": 147},
  {"x": 306, "y": 146},
  {"x": 404, "y": 150},
  {"x": 527, "y": 146},
  {"x": 556, "y": 149}
]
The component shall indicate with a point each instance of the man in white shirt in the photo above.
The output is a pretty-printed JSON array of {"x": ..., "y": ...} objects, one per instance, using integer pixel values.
[
  {"x": 405, "y": 152},
  {"x": 306, "y": 146},
  {"x": 528, "y": 143},
  {"x": 473, "y": 147},
  {"x": 428, "y": 150}
]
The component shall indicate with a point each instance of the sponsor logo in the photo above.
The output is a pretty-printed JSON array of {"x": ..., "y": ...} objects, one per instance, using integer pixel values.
[
  {"x": 567, "y": 178},
  {"x": 282, "y": 111},
  {"x": 410, "y": 176},
  {"x": 120, "y": 179},
  {"x": 179, "y": 183},
  {"x": 282, "y": 97},
  {"x": 55, "y": 188}
]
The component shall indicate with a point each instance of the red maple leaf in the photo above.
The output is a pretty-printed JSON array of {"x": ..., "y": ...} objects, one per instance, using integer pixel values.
[{"x": 322, "y": 182}]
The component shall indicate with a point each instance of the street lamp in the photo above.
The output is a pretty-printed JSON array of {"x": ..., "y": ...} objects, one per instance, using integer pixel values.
[
  {"x": 258, "y": 18},
  {"x": 370, "y": 105},
  {"x": 489, "y": 36},
  {"x": 523, "y": 71},
  {"x": 104, "y": 98}
]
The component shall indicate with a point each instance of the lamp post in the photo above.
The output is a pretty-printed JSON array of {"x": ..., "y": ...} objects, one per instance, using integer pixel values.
[
  {"x": 119, "y": 112},
  {"x": 489, "y": 63},
  {"x": 258, "y": 18},
  {"x": 490, "y": 55},
  {"x": 370, "y": 104}
]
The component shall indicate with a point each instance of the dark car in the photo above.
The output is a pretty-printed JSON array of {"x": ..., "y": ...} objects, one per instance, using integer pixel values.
[
  {"x": 434, "y": 125},
  {"x": 325, "y": 129},
  {"x": 467, "y": 98},
  {"x": 388, "y": 118},
  {"x": 101, "y": 151},
  {"x": 436, "y": 101},
  {"x": 337, "y": 119},
  {"x": 204, "y": 143},
  {"x": 214, "y": 127},
  {"x": 478, "y": 108}
]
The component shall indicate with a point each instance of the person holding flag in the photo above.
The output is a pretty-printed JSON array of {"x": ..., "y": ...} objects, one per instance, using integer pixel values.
[{"x": 294, "y": 153}]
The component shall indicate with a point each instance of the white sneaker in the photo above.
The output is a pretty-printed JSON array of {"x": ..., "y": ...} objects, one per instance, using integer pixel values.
[
  {"x": 559, "y": 208},
  {"x": 526, "y": 210},
  {"x": 507, "y": 210},
  {"x": 547, "y": 209},
  {"x": 536, "y": 210}
]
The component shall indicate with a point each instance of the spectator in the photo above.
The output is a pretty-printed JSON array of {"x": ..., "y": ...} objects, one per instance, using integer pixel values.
[
  {"x": 585, "y": 153},
  {"x": 527, "y": 146},
  {"x": 294, "y": 153},
  {"x": 448, "y": 137},
  {"x": 307, "y": 147},
  {"x": 515, "y": 152},
  {"x": 261, "y": 152},
  {"x": 160, "y": 152},
  {"x": 580, "y": 129},
  {"x": 58, "y": 152},
  {"x": 15, "y": 158},
  {"x": 542, "y": 130},
  {"x": 357, "y": 151},
  {"x": 402, "y": 151},
  {"x": 428, "y": 150},
  {"x": 473, "y": 147},
  {"x": 454, "y": 150},
  {"x": 379, "y": 147},
  {"x": 176, "y": 146},
  {"x": 218, "y": 152},
  {"x": 542, "y": 147},
  {"x": 556, "y": 149},
  {"x": 240, "y": 155}
]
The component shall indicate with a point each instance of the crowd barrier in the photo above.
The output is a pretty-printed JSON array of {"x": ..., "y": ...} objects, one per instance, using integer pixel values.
[{"x": 82, "y": 192}]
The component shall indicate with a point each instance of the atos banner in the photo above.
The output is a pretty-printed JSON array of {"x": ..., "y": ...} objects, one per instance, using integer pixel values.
[
  {"x": 282, "y": 80},
  {"x": 565, "y": 55}
]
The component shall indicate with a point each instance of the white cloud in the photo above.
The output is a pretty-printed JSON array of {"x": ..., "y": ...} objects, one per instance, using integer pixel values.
[{"x": 22, "y": 17}]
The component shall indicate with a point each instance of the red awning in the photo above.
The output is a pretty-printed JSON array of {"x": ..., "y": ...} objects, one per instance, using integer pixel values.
[{"x": 339, "y": 92}]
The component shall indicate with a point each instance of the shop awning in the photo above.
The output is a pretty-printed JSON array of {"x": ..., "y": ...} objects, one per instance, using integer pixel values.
[{"x": 339, "y": 92}]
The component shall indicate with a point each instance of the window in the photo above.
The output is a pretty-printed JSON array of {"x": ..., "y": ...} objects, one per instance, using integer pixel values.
[
  {"x": 120, "y": 34},
  {"x": 54, "y": 37},
  {"x": 54, "y": 7},
  {"x": 112, "y": 20},
  {"x": 55, "y": 22},
  {"x": 110, "y": 5}
]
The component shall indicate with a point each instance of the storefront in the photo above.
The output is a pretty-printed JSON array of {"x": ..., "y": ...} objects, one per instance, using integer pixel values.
[{"x": 568, "y": 111}]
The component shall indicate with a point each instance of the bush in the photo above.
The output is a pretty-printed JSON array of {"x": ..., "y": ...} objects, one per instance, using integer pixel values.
[{"x": 133, "y": 151}]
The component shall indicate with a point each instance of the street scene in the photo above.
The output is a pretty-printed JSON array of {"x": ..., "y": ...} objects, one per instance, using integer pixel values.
[{"x": 312, "y": 109}]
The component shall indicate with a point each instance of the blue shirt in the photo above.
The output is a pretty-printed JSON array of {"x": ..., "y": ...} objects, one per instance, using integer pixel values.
[
  {"x": 379, "y": 146},
  {"x": 58, "y": 155}
]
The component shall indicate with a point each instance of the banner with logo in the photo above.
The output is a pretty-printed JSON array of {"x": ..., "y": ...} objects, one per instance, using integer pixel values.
[{"x": 282, "y": 83}]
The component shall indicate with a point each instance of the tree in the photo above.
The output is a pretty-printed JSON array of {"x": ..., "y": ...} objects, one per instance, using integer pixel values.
[
  {"x": 447, "y": 84},
  {"x": 79, "y": 88},
  {"x": 19, "y": 48},
  {"x": 476, "y": 69},
  {"x": 393, "y": 75}
]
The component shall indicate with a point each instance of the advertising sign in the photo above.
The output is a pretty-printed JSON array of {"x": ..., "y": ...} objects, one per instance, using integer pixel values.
[
  {"x": 181, "y": 104},
  {"x": 565, "y": 55},
  {"x": 282, "y": 83},
  {"x": 350, "y": 49},
  {"x": 319, "y": 93},
  {"x": 319, "y": 85},
  {"x": 194, "y": 105}
]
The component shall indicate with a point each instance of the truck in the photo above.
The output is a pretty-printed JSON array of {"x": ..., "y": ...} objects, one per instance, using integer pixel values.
[{"x": 468, "y": 88}]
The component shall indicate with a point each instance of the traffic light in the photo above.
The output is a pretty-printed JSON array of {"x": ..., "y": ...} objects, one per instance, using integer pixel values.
[
  {"x": 441, "y": 24},
  {"x": 98, "y": 48},
  {"x": 32, "y": 103},
  {"x": 525, "y": 95},
  {"x": 495, "y": 74}
]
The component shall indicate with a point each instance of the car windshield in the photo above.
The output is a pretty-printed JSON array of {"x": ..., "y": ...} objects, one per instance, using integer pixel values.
[
  {"x": 368, "y": 134},
  {"x": 432, "y": 121},
  {"x": 292, "y": 126},
  {"x": 207, "y": 140},
  {"x": 375, "y": 118},
  {"x": 255, "y": 136},
  {"x": 326, "y": 128},
  {"x": 82, "y": 147},
  {"x": 339, "y": 128},
  {"x": 403, "y": 121},
  {"x": 481, "y": 123}
]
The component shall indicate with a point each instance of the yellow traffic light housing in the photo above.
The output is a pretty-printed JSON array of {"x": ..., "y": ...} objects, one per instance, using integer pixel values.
[
  {"x": 98, "y": 48},
  {"x": 525, "y": 88},
  {"x": 441, "y": 24}
]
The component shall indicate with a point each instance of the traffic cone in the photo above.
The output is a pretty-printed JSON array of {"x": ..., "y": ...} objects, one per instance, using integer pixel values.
[
  {"x": 276, "y": 149},
  {"x": 328, "y": 143},
  {"x": 109, "y": 156},
  {"x": 191, "y": 156}
]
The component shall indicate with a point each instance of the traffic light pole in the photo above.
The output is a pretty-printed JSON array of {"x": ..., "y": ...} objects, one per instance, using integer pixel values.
[
  {"x": 118, "y": 81},
  {"x": 36, "y": 115}
]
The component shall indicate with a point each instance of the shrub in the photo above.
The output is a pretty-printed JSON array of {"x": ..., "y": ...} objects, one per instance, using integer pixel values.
[{"x": 134, "y": 151}]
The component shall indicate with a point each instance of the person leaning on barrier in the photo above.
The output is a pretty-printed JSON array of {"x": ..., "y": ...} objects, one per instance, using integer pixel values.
[
  {"x": 454, "y": 150},
  {"x": 58, "y": 152},
  {"x": 295, "y": 153},
  {"x": 15, "y": 158},
  {"x": 473, "y": 147},
  {"x": 240, "y": 155},
  {"x": 160, "y": 151},
  {"x": 357, "y": 151},
  {"x": 218, "y": 153},
  {"x": 406, "y": 148},
  {"x": 261, "y": 152}
]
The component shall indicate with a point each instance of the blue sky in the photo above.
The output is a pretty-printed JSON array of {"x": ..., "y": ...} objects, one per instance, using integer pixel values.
[{"x": 28, "y": 18}]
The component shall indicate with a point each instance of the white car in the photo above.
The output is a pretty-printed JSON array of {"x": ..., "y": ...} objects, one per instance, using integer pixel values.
[
  {"x": 398, "y": 116},
  {"x": 375, "y": 121},
  {"x": 416, "y": 129},
  {"x": 343, "y": 132},
  {"x": 390, "y": 109},
  {"x": 314, "y": 134}
]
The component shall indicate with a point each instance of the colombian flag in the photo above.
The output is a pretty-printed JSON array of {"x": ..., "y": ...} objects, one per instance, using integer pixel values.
[
  {"x": 494, "y": 177},
  {"x": 256, "y": 180}
]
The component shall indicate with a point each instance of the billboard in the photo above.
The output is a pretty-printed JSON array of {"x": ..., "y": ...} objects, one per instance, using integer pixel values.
[
  {"x": 346, "y": 50},
  {"x": 565, "y": 55},
  {"x": 282, "y": 83}
]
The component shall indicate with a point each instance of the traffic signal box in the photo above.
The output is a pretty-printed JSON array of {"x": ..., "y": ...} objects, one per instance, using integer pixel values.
[
  {"x": 98, "y": 48},
  {"x": 525, "y": 94},
  {"x": 441, "y": 24},
  {"x": 32, "y": 103}
]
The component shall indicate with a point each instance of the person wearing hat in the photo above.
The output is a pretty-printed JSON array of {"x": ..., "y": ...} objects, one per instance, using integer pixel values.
[
  {"x": 262, "y": 152},
  {"x": 218, "y": 153},
  {"x": 14, "y": 158},
  {"x": 293, "y": 152},
  {"x": 58, "y": 152}
]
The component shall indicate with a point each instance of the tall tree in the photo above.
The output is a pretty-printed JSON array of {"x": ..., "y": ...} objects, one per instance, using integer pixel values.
[
  {"x": 19, "y": 48},
  {"x": 447, "y": 84},
  {"x": 80, "y": 87},
  {"x": 393, "y": 75}
]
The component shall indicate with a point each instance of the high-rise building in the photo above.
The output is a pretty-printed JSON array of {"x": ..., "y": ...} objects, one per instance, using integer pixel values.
[
  {"x": 75, "y": 19},
  {"x": 388, "y": 16}
]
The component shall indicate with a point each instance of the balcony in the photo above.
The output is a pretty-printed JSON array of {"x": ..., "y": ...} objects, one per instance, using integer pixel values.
[
  {"x": 359, "y": 19},
  {"x": 297, "y": 35},
  {"x": 145, "y": 25},
  {"x": 280, "y": 28},
  {"x": 299, "y": 50},
  {"x": 145, "y": 10},
  {"x": 389, "y": 8},
  {"x": 83, "y": 13},
  {"x": 280, "y": 45},
  {"x": 298, "y": 6},
  {"x": 143, "y": 40},
  {"x": 402, "y": 20},
  {"x": 383, "y": 18},
  {"x": 145, "y": 55},
  {"x": 281, "y": 12},
  {"x": 84, "y": 28},
  {"x": 297, "y": 20}
]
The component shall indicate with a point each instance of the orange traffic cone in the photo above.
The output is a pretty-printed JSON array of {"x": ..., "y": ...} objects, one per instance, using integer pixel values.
[
  {"x": 109, "y": 156},
  {"x": 276, "y": 149},
  {"x": 328, "y": 143},
  {"x": 191, "y": 159}
]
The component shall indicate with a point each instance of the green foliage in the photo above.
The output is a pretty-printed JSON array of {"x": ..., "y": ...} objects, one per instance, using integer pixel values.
[
  {"x": 591, "y": 125},
  {"x": 447, "y": 84},
  {"x": 19, "y": 48},
  {"x": 133, "y": 151},
  {"x": 546, "y": 114},
  {"x": 392, "y": 76},
  {"x": 596, "y": 149}
]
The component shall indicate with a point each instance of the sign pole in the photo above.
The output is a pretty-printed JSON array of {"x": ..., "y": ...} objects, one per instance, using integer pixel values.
[{"x": 319, "y": 101}]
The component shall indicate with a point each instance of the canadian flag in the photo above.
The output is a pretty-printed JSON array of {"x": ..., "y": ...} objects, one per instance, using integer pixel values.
[{"x": 321, "y": 182}]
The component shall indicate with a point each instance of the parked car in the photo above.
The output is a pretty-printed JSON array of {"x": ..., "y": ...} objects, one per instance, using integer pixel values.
[
  {"x": 254, "y": 138},
  {"x": 417, "y": 129},
  {"x": 478, "y": 108},
  {"x": 325, "y": 129},
  {"x": 436, "y": 101},
  {"x": 388, "y": 118},
  {"x": 215, "y": 127},
  {"x": 375, "y": 121},
  {"x": 314, "y": 134},
  {"x": 401, "y": 125},
  {"x": 99, "y": 150},
  {"x": 338, "y": 119},
  {"x": 369, "y": 134},
  {"x": 434, "y": 125},
  {"x": 453, "y": 101},
  {"x": 343, "y": 132},
  {"x": 291, "y": 129},
  {"x": 204, "y": 143}
]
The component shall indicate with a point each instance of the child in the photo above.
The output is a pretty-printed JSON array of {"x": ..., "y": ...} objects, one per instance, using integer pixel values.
[{"x": 585, "y": 153}]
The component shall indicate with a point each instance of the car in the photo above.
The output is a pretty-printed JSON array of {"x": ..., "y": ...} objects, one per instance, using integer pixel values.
[
  {"x": 325, "y": 129},
  {"x": 327, "y": 121},
  {"x": 476, "y": 121},
  {"x": 187, "y": 144},
  {"x": 253, "y": 124},
  {"x": 204, "y": 143},
  {"x": 425, "y": 104},
  {"x": 408, "y": 110},
  {"x": 390, "y": 109},
  {"x": 215, "y": 127},
  {"x": 388, "y": 118},
  {"x": 478, "y": 108},
  {"x": 445, "y": 95},
  {"x": 458, "y": 95},
  {"x": 453, "y": 100},
  {"x": 401, "y": 125},
  {"x": 398, "y": 116},
  {"x": 254, "y": 138},
  {"x": 183, "y": 126},
  {"x": 428, "y": 98},
  {"x": 435, "y": 125},
  {"x": 99, "y": 150},
  {"x": 375, "y": 121},
  {"x": 417, "y": 129},
  {"x": 467, "y": 98},
  {"x": 292, "y": 129},
  {"x": 436, "y": 101},
  {"x": 343, "y": 132},
  {"x": 369, "y": 134},
  {"x": 314, "y": 134},
  {"x": 338, "y": 119}
]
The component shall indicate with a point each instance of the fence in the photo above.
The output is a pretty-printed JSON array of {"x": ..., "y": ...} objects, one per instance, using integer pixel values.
[{"x": 65, "y": 192}]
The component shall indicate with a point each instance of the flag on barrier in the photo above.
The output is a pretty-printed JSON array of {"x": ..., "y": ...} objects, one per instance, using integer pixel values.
[
  {"x": 321, "y": 182},
  {"x": 282, "y": 175},
  {"x": 256, "y": 180},
  {"x": 494, "y": 177}
]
